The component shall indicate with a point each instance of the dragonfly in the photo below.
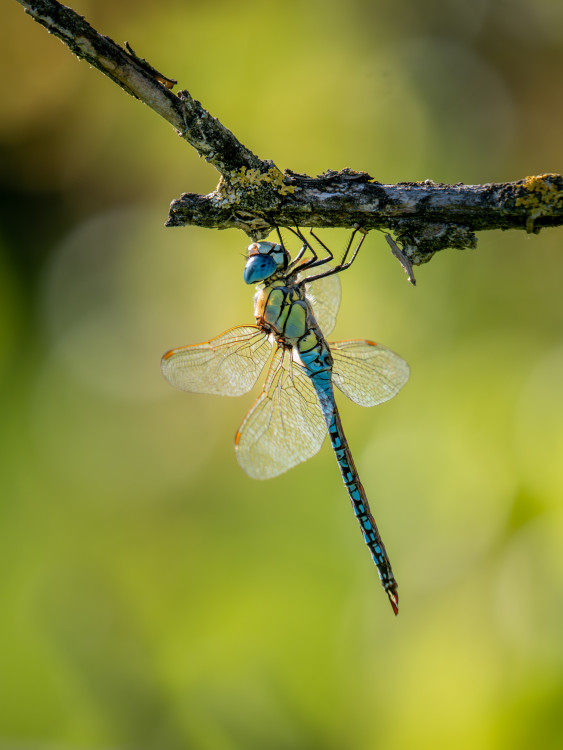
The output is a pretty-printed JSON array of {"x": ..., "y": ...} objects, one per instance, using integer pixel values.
[{"x": 295, "y": 307}]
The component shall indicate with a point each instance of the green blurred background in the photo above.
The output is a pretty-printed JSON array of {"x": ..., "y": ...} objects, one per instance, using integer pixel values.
[{"x": 152, "y": 595}]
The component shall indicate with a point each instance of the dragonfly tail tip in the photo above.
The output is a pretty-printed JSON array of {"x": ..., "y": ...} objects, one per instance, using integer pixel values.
[{"x": 394, "y": 599}]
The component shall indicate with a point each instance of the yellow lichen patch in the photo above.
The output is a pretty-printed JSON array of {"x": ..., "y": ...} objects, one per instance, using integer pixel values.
[
  {"x": 542, "y": 197},
  {"x": 243, "y": 180}
]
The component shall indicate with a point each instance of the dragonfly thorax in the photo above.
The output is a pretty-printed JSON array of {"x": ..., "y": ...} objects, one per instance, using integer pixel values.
[
  {"x": 282, "y": 309},
  {"x": 284, "y": 313}
]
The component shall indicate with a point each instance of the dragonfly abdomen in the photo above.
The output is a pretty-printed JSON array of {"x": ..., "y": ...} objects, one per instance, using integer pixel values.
[{"x": 355, "y": 488}]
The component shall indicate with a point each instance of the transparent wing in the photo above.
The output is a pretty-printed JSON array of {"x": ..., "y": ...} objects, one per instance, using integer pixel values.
[
  {"x": 324, "y": 296},
  {"x": 367, "y": 372},
  {"x": 227, "y": 365},
  {"x": 284, "y": 426}
]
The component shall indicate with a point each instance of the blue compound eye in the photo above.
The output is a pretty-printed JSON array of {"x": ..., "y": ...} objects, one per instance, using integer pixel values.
[{"x": 259, "y": 267}]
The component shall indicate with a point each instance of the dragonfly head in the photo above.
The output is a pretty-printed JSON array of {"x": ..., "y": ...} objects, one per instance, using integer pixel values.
[{"x": 264, "y": 260}]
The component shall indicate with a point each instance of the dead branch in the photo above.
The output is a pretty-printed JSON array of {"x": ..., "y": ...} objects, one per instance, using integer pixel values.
[{"x": 254, "y": 195}]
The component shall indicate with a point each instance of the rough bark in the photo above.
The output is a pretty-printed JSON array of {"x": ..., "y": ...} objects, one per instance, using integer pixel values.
[{"x": 254, "y": 195}]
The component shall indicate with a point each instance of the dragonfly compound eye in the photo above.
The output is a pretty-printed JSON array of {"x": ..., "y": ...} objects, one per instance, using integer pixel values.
[{"x": 259, "y": 267}]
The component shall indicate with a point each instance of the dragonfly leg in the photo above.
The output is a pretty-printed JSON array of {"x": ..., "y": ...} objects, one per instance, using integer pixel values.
[
  {"x": 329, "y": 254},
  {"x": 299, "y": 254},
  {"x": 282, "y": 245},
  {"x": 321, "y": 243},
  {"x": 343, "y": 265},
  {"x": 306, "y": 245},
  {"x": 279, "y": 236},
  {"x": 315, "y": 261},
  {"x": 298, "y": 257}
]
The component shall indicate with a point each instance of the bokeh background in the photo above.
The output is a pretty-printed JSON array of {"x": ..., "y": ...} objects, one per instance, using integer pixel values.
[{"x": 152, "y": 595}]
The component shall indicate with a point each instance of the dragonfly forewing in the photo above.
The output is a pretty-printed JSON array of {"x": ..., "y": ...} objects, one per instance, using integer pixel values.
[
  {"x": 227, "y": 365},
  {"x": 366, "y": 372},
  {"x": 285, "y": 425}
]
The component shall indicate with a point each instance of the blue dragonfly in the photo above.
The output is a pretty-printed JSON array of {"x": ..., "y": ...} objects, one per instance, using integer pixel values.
[{"x": 295, "y": 306}]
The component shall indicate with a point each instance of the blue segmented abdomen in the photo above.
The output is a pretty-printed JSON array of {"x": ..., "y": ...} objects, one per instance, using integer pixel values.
[
  {"x": 356, "y": 492},
  {"x": 283, "y": 308}
]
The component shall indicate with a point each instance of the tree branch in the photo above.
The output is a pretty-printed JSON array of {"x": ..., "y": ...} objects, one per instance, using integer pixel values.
[
  {"x": 133, "y": 74},
  {"x": 254, "y": 195},
  {"x": 424, "y": 216}
]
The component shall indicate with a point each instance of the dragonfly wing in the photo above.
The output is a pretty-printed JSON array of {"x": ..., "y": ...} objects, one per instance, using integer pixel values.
[
  {"x": 366, "y": 372},
  {"x": 227, "y": 365},
  {"x": 324, "y": 296},
  {"x": 284, "y": 426}
]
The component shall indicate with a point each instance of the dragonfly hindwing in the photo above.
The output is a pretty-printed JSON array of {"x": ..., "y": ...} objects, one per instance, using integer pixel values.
[
  {"x": 366, "y": 372},
  {"x": 285, "y": 425}
]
